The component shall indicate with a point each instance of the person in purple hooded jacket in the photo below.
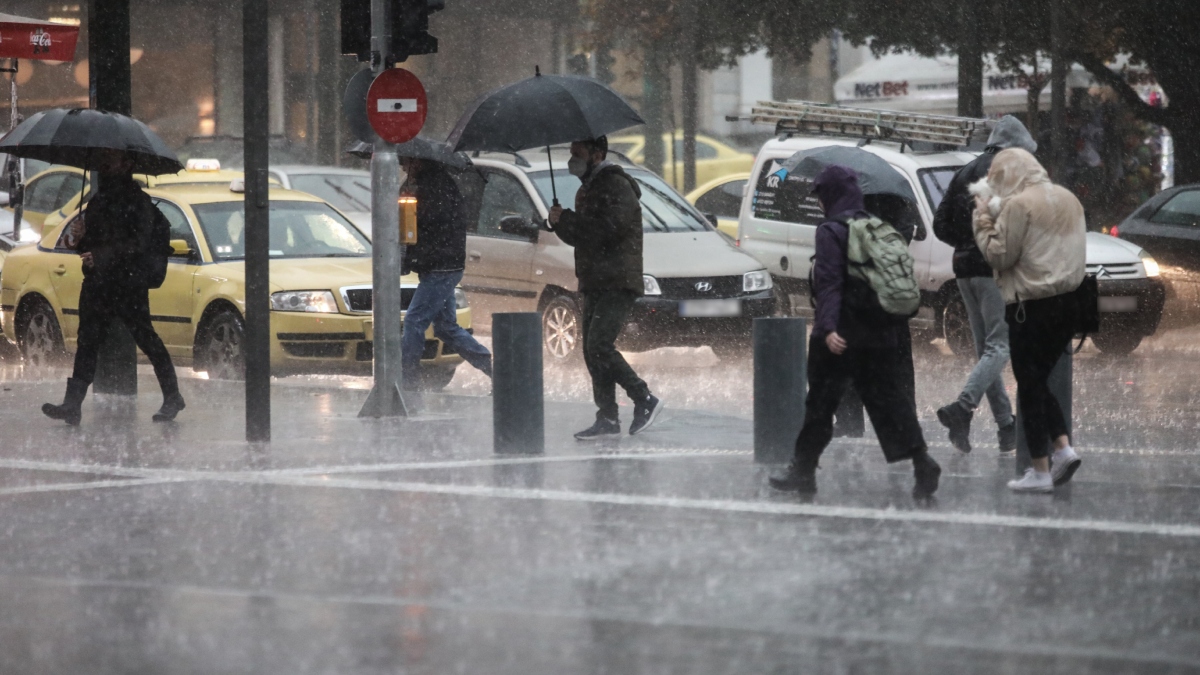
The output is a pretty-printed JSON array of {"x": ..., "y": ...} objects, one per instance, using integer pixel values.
[{"x": 846, "y": 347}]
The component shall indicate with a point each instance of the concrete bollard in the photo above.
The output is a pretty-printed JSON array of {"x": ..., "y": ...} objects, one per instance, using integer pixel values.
[
  {"x": 518, "y": 409},
  {"x": 1060, "y": 382},
  {"x": 780, "y": 384}
]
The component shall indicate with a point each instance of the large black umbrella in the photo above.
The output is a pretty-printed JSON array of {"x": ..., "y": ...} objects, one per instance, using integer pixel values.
[
  {"x": 75, "y": 137},
  {"x": 543, "y": 110},
  {"x": 875, "y": 175},
  {"x": 419, "y": 148}
]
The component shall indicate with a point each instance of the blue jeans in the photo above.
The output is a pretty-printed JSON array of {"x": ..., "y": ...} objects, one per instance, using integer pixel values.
[
  {"x": 985, "y": 311},
  {"x": 433, "y": 302}
]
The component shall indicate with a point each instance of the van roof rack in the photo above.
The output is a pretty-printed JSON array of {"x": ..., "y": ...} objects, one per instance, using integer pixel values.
[{"x": 804, "y": 117}]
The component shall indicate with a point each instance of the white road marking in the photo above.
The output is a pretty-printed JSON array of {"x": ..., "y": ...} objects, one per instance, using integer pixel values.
[{"x": 71, "y": 487}]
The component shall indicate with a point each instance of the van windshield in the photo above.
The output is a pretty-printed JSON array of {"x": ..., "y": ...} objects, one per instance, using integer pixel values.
[
  {"x": 936, "y": 182},
  {"x": 663, "y": 209}
]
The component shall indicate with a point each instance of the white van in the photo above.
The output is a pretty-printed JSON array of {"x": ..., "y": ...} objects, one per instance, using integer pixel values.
[{"x": 778, "y": 221}]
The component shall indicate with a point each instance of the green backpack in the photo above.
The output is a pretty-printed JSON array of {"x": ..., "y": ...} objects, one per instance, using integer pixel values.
[{"x": 877, "y": 256}]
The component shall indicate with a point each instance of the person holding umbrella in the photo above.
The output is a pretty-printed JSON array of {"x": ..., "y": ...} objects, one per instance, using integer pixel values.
[
  {"x": 113, "y": 248},
  {"x": 606, "y": 231}
]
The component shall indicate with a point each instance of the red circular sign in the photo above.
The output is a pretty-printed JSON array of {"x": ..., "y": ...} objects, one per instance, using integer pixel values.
[{"x": 396, "y": 105}]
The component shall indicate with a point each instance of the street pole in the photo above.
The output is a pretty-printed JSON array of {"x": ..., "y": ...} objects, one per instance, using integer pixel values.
[
  {"x": 689, "y": 92},
  {"x": 386, "y": 399},
  {"x": 255, "y": 120},
  {"x": 110, "y": 89}
]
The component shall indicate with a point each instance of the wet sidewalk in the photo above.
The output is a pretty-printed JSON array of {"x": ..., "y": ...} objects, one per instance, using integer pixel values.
[{"x": 384, "y": 546}]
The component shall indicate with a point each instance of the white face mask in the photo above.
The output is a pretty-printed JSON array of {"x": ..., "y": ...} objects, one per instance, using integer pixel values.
[{"x": 577, "y": 166}]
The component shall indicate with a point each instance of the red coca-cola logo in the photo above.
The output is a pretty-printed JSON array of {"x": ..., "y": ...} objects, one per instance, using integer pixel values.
[{"x": 40, "y": 41}]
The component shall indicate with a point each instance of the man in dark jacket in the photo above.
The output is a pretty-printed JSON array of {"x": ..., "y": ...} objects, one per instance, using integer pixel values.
[
  {"x": 847, "y": 347},
  {"x": 606, "y": 230},
  {"x": 439, "y": 258},
  {"x": 113, "y": 249},
  {"x": 980, "y": 295}
]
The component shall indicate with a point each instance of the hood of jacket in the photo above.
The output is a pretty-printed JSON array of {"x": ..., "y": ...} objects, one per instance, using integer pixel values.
[
  {"x": 1010, "y": 133},
  {"x": 606, "y": 167},
  {"x": 837, "y": 187},
  {"x": 1013, "y": 170}
]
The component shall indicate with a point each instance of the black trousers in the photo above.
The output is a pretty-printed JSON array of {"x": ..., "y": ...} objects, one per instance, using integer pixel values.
[
  {"x": 882, "y": 379},
  {"x": 604, "y": 315},
  {"x": 99, "y": 305},
  {"x": 1039, "y": 332}
]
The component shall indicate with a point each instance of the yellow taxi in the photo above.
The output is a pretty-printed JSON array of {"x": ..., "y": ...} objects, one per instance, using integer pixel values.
[
  {"x": 714, "y": 159},
  {"x": 721, "y": 198},
  {"x": 320, "y": 287}
]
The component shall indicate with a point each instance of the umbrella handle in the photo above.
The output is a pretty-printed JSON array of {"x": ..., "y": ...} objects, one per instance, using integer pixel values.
[{"x": 553, "y": 187}]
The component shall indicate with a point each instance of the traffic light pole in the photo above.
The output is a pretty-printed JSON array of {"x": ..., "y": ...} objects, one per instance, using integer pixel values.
[{"x": 386, "y": 399}]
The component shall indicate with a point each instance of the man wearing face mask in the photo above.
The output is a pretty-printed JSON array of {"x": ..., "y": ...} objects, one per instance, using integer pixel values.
[{"x": 606, "y": 230}]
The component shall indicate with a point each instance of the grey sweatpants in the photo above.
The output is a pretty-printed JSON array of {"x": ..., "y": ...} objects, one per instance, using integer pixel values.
[{"x": 985, "y": 311}]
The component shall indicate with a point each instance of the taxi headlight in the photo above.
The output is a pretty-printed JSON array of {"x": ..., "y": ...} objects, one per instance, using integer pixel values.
[
  {"x": 650, "y": 285},
  {"x": 756, "y": 281},
  {"x": 304, "y": 301},
  {"x": 1150, "y": 264},
  {"x": 460, "y": 298}
]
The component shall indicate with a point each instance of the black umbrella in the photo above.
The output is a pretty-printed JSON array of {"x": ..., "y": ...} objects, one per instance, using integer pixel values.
[
  {"x": 75, "y": 137},
  {"x": 875, "y": 175},
  {"x": 543, "y": 110},
  {"x": 419, "y": 148}
]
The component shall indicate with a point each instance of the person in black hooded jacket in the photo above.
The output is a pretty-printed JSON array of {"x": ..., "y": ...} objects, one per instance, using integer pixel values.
[
  {"x": 980, "y": 295},
  {"x": 848, "y": 348}
]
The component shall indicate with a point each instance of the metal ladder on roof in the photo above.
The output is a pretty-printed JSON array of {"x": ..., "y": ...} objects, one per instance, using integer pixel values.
[{"x": 804, "y": 117}]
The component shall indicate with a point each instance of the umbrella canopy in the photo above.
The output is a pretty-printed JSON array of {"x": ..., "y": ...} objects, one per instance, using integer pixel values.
[
  {"x": 875, "y": 175},
  {"x": 419, "y": 148},
  {"x": 22, "y": 38},
  {"x": 74, "y": 137},
  {"x": 541, "y": 111}
]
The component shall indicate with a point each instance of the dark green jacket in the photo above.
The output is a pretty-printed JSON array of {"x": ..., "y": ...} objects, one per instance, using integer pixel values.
[{"x": 606, "y": 230}]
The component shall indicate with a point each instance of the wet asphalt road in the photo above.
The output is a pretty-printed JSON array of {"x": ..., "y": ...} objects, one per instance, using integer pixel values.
[{"x": 349, "y": 546}]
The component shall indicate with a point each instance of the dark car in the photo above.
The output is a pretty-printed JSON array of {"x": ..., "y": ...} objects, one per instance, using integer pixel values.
[{"x": 1167, "y": 226}]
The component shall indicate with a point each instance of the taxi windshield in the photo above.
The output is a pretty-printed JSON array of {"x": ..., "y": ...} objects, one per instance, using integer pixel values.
[{"x": 298, "y": 230}]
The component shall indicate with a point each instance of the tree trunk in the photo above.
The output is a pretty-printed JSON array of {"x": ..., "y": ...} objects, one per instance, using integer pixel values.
[
  {"x": 654, "y": 85},
  {"x": 690, "y": 95},
  {"x": 970, "y": 62}
]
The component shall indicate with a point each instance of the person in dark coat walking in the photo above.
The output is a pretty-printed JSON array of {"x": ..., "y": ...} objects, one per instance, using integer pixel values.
[
  {"x": 846, "y": 348},
  {"x": 606, "y": 230},
  {"x": 113, "y": 248},
  {"x": 439, "y": 259},
  {"x": 980, "y": 295}
]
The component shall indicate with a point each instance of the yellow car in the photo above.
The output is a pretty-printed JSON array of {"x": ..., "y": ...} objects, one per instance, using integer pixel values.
[
  {"x": 320, "y": 282},
  {"x": 722, "y": 198},
  {"x": 714, "y": 159}
]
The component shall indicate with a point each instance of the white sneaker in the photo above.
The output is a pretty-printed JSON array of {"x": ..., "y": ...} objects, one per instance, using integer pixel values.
[
  {"x": 1063, "y": 464},
  {"x": 1032, "y": 481}
]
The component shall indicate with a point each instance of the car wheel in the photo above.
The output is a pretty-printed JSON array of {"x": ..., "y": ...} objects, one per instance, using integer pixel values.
[
  {"x": 562, "y": 329},
  {"x": 40, "y": 337},
  {"x": 221, "y": 347},
  {"x": 436, "y": 378},
  {"x": 956, "y": 328},
  {"x": 1117, "y": 344}
]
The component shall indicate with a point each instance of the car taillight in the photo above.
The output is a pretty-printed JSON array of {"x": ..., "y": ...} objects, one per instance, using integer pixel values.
[{"x": 1115, "y": 231}]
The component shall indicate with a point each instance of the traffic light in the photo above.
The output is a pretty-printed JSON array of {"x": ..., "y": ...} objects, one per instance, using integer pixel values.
[{"x": 410, "y": 28}]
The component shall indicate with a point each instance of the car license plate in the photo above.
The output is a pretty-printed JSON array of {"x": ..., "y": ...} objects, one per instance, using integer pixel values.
[
  {"x": 710, "y": 308},
  {"x": 1118, "y": 304}
]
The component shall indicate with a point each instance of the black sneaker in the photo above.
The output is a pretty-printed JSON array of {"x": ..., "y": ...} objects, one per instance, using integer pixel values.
[
  {"x": 957, "y": 419},
  {"x": 170, "y": 408},
  {"x": 926, "y": 472},
  {"x": 644, "y": 414},
  {"x": 601, "y": 429},
  {"x": 1007, "y": 436},
  {"x": 795, "y": 479}
]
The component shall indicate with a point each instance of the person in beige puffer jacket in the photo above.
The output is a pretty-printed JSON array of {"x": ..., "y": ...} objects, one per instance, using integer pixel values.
[{"x": 1034, "y": 235}]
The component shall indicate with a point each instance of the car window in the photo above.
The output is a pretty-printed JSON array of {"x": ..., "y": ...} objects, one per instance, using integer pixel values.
[
  {"x": 623, "y": 147},
  {"x": 703, "y": 150},
  {"x": 42, "y": 194},
  {"x": 180, "y": 227},
  {"x": 1182, "y": 209},
  {"x": 724, "y": 200},
  {"x": 663, "y": 209},
  {"x": 503, "y": 196},
  {"x": 69, "y": 238},
  {"x": 72, "y": 185},
  {"x": 346, "y": 192},
  {"x": 936, "y": 182},
  {"x": 297, "y": 230},
  {"x": 783, "y": 197}
]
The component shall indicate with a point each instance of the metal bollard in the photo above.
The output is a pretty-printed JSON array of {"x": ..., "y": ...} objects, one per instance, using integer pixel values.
[
  {"x": 780, "y": 384},
  {"x": 518, "y": 409},
  {"x": 1060, "y": 382}
]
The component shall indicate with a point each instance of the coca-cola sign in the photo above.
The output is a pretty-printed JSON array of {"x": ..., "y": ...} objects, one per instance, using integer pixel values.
[{"x": 37, "y": 40}]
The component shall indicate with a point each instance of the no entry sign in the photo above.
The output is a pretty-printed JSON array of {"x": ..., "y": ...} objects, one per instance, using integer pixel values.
[{"x": 396, "y": 105}]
